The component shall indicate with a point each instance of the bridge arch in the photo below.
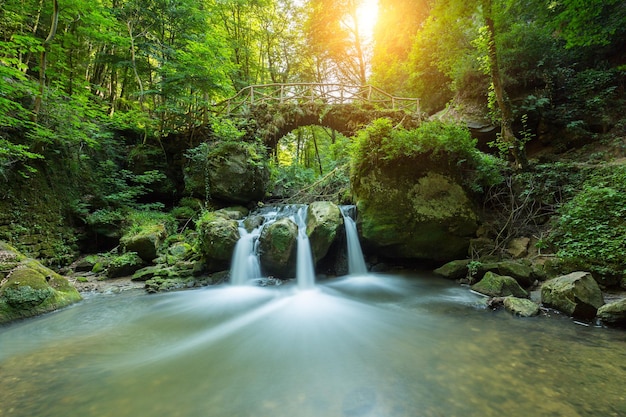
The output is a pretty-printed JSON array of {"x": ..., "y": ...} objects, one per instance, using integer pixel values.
[{"x": 274, "y": 110}]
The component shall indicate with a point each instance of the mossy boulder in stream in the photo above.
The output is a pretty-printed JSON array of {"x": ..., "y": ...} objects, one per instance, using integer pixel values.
[
  {"x": 278, "y": 248},
  {"x": 522, "y": 307},
  {"x": 218, "y": 236},
  {"x": 407, "y": 211},
  {"x": 613, "y": 313},
  {"x": 411, "y": 188},
  {"x": 495, "y": 285},
  {"x": 27, "y": 288},
  {"x": 324, "y": 221},
  {"x": 576, "y": 294}
]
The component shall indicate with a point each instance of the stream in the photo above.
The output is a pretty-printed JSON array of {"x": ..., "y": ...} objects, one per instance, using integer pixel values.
[{"x": 364, "y": 345}]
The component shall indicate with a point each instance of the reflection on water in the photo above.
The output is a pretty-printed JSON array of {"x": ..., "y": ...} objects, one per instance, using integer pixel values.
[{"x": 367, "y": 346}]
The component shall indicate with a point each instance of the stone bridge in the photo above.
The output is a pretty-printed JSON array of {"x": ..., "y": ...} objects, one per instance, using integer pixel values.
[{"x": 277, "y": 109}]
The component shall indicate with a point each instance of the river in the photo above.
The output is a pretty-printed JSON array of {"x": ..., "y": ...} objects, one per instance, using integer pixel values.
[{"x": 375, "y": 345}]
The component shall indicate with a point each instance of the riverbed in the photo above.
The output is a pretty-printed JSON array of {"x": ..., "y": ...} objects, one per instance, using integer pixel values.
[{"x": 374, "y": 345}]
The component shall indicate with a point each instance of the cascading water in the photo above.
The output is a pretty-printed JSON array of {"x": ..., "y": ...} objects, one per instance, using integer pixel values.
[
  {"x": 245, "y": 263},
  {"x": 305, "y": 271},
  {"x": 356, "y": 263}
]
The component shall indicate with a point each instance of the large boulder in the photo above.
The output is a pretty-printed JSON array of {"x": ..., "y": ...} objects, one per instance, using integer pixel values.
[
  {"x": 234, "y": 172},
  {"x": 145, "y": 241},
  {"x": 495, "y": 285},
  {"x": 278, "y": 248},
  {"x": 324, "y": 221},
  {"x": 576, "y": 294},
  {"x": 414, "y": 210},
  {"x": 218, "y": 236},
  {"x": 27, "y": 288},
  {"x": 613, "y": 313}
]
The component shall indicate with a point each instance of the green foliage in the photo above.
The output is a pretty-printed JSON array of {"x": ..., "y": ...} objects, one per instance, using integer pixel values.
[
  {"x": 383, "y": 144},
  {"x": 146, "y": 221},
  {"x": 592, "y": 228},
  {"x": 588, "y": 22}
]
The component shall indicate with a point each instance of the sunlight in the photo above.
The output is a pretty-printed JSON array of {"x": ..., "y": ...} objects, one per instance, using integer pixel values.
[{"x": 367, "y": 13}]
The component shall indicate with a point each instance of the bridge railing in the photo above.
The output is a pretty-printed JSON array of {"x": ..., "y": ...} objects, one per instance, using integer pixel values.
[{"x": 314, "y": 93}]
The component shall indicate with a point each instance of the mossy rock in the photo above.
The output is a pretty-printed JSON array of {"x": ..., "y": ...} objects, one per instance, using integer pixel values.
[
  {"x": 218, "y": 237},
  {"x": 522, "y": 272},
  {"x": 521, "y": 307},
  {"x": 233, "y": 172},
  {"x": 576, "y": 294},
  {"x": 412, "y": 210},
  {"x": 454, "y": 269},
  {"x": 232, "y": 213},
  {"x": 181, "y": 250},
  {"x": 30, "y": 289},
  {"x": 495, "y": 285},
  {"x": 278, "y": 248},
  {"x": 613, "y": 313},
  {"x": 124, "y": 265},
  {"x": 253, "y": 222},
  {"x": 324, "y": 221},
  {"x": 145, "y": 241}
]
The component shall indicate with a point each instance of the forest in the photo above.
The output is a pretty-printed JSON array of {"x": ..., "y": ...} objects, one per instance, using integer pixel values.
[
  {"x": 307, "y": 208},
  {"x": 101, "y": 101}
]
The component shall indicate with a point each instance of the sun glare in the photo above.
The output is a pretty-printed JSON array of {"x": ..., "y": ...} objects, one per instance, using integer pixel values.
[{"x": 367, "y": 13}]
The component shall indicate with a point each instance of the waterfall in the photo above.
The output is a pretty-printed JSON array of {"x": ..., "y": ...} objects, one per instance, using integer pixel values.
[
  {"x": 245, "y": 264},
  {"x": 305, "y": 270},
  {"x": 356, "y": 263}
]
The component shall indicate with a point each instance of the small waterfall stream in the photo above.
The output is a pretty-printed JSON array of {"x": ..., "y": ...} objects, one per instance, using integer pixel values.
[
  {"x": 305, "y": 270},
  {"x": 356, "y": 262},
  {"x": 245, "y": 264}
]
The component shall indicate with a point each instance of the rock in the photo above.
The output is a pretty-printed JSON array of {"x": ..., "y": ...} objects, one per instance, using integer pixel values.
[
  {"x": 28, "y": 288},
  {"x": 576, "y": 294},
  {"x": 453, "y": 269},
  {"x": 234, "y": 172},
  {"x": 613, "y": 313},
  {"x": 495, "y": 285},
  {"x": 232, "y": 213},
  {"x": 482, "y": 246},
  {"x": 522, "y": 273},
  {"x": 521, "y": 307},
  {"x": 146, "y": 241},
  {"x": 124, "y": 265},
  {"x": 253, "y": 222},
  {"x": 414, "y": 210},
  {"x": 324, "y": 220},
  {"x": 218, "y": 237},
  {"x": 180, "y": 250},
  {"x": 277, "y": 248},
  {"x": 518, "y": 247}
]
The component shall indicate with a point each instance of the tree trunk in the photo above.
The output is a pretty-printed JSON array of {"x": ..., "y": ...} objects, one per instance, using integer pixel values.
[
  {"x": 44, "y": 54},
  {"x": 506, "y": 113}
]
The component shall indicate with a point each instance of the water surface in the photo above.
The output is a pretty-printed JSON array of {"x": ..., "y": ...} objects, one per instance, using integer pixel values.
[{"x": 372, "y": 345}]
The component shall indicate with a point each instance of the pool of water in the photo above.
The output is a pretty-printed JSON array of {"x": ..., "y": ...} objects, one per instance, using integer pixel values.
[{"x": 375, "y": 345}]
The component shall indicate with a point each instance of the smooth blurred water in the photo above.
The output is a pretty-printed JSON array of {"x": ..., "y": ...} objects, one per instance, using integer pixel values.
[
  {"x": 356, "y": 262},
  {"x": 375, "y": 345}
]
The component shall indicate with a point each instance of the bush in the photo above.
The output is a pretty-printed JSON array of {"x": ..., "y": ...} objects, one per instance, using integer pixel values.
[
  {"x": 383, "y": 144},
  {"x": 591, "y": 231}
]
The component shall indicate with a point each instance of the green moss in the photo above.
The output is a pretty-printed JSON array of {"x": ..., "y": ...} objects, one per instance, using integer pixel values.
[
  {"x": 31, "y": 289},
  {"x": 495, "y": 285}
]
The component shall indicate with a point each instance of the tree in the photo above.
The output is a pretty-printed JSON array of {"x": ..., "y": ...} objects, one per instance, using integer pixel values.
[
  {"x": 514, "y": 144},
  {"x": 584, "y": 23},
  {"x": 334, "y": 37}
]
